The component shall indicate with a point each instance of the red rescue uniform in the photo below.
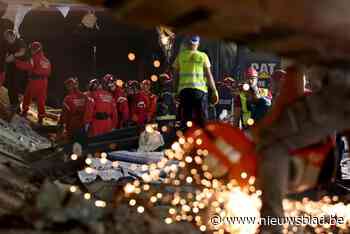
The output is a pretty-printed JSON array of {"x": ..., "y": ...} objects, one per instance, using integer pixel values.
[
  {"x": 138, "y": 107},
  {"x": 122, "y": 106},
  {"x": 152, "y": 107},
  {"x": 39, "y": 68},
  {"x": 101, "y": 113},
  {"x": 74, "y": 106}
]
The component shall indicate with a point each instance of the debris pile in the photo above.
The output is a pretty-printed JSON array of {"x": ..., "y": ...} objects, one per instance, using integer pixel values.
[{"x": 18, "y": 137}]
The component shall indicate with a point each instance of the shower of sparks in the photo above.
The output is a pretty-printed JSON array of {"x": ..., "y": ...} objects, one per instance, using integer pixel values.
[{"x": 197, "y": 195}]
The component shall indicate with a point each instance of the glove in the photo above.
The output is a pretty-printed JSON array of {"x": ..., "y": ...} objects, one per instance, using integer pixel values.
[{"x": 214, "y": 97}]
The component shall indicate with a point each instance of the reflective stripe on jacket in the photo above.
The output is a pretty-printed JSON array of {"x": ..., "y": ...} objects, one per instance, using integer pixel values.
[{"x": 191, "y": 66}]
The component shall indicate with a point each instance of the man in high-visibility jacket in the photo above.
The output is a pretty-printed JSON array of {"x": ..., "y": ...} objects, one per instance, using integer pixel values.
[
  {"x": 193, "y": 81},
  {"x": 251, "y": 103}
]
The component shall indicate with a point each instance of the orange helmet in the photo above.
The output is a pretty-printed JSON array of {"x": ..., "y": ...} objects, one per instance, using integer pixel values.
[{"x": 250, "y": 72}]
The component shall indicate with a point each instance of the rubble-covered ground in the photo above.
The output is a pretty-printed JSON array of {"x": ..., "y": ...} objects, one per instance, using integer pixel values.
[
  {"x": 54, "y": 209},
  {"x": 30, "y": 204}
]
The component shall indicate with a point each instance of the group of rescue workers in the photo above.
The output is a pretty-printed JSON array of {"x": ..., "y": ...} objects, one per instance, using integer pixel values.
[{"x": 106, "y": 106}]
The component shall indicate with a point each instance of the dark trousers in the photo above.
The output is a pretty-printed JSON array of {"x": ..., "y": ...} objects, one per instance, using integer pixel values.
[
  {"x": 15, "y": 83},
  {"x": 193, "y": 107}
]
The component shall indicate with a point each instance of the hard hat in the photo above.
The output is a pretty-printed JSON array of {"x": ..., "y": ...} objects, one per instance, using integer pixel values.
[
  {"x": 194, "y": 40},
  {"x": 251, "y": 72},
  {"x": 165, "y": 77},
  {"x": 108, "y": 77},
  {"x": 93, "y": 84},
  {"x": 107, "y": 80},
  {"x": 129, "y": 83},
  {"x": 36, "y": 47},
  {"x": 136, "y": 84},
  {"x": 133, "y": 84},
  {"x": 146, "y": 82},
  {"x": 72, "y": 81}
]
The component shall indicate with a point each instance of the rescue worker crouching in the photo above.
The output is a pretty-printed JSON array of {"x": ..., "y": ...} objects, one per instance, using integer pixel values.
[
  {"x": 152, "y": 101},
  {"x": 193, "y": 83},
  {"x": 116, "y": 89},
  {"x": 74, "y": 107},
  {"x": 39, "y": 69},
  {"x": 101, "y": 112},
  {"x": 252, "y": 102}
]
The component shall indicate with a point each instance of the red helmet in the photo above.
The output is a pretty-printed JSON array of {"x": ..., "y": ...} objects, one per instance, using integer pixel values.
[
  {"x": 93, "y": 84},
  {"x": 71, "y": 82},
  {"x": 251, "y": 72},
  {"x": 129, "y": 83},
  {"x": 165, "y": 77},
  {"x": 36, "y": 47},
  {"x": 146, "y": 82},
  {"x": 107, "y": 80}
]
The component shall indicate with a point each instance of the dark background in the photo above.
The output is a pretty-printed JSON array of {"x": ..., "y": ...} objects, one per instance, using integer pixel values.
[{"x": 70, "y": 48}]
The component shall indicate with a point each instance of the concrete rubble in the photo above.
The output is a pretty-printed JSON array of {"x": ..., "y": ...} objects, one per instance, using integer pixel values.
[{"x": 30, "y": 205}]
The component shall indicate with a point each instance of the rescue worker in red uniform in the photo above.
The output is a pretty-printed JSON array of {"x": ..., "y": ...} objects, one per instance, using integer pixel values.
[
  {"x": 74, "y": 106},
  {"x": 101, "y": 112},
  {"x": 39, "y": 69},
  {"x": 138, "y": 104},
  {"x": 152, "y": 100},
  {"x": 120, "y": 97}
]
